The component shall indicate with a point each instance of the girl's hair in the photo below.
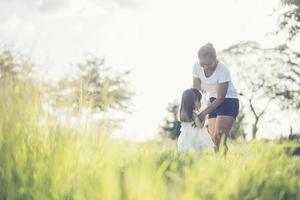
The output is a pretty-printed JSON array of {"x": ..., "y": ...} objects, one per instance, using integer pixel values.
[
  {"x": 188, "y": 99},
  {"x": 207, "y": 51}
]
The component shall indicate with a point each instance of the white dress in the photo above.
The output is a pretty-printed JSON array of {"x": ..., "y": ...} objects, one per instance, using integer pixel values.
[{"x": 192, "y": 137}]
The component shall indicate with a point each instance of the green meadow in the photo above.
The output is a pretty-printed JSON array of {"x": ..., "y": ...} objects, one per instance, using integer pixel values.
[{"x": 48, "y": 161}]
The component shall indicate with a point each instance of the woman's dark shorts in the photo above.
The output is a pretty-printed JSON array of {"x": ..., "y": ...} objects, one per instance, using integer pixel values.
[{"x": 229, "y": 107}]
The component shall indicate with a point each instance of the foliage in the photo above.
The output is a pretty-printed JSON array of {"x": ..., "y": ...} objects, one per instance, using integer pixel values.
[
  {"x": 92, "y": 87},
  {"x": 171, "y": 125},
  {"x": 264, "y": 76},
  {"x": 289, "y": 20},
  {"x": 288, "y": 85},
  {"x": 14, "y": 68}
]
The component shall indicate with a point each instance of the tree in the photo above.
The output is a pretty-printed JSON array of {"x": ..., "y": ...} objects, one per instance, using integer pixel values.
[
  {"x": 289, "y": 20},
  {"x": 237, "y": 130},
  {"x": 287, "y": 89},
  {"x": 92, "y": 88},
  {"x": 265, "y": 75},
  {"x": 14, "y": 68},
  {"x": 254, "y": 76},
  {"x": 171, "y": 125}
]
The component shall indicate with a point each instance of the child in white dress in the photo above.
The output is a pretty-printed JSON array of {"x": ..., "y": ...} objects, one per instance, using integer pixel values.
[{"x": 193, "y": 135}]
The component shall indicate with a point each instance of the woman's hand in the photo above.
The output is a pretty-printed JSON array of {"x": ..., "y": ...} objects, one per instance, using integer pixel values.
[
  {"x": 222, "y": 90},
  {"x": 202, "y": 116}
]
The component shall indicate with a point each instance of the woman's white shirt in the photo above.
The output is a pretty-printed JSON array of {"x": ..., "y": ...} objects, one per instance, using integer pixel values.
[{"x": 210, "y": 84}]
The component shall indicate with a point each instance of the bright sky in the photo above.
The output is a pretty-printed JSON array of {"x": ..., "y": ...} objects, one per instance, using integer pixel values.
[{"x": 156, "y": 39}]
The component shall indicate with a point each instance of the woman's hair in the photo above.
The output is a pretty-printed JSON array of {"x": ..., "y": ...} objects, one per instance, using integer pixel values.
[
  {"x": 188, "y": 99},
  {"x": 207, "y": 51}
]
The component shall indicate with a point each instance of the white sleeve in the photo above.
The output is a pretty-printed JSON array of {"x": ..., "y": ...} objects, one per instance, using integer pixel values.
[
  {"x": 196, "y": 72},
  {"x": 224, "y": 75}
]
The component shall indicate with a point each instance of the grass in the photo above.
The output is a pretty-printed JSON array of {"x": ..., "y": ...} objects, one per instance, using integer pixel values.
[{"x": 52, "y": 162}]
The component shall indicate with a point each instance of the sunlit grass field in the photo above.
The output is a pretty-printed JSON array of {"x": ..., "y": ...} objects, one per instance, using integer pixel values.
[{"x": 46, "y": 161}]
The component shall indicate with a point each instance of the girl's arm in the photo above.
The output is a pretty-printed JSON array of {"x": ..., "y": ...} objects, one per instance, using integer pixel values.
[{"x": 222, "y": 90}]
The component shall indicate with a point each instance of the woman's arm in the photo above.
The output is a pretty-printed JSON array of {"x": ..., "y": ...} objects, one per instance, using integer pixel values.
[
  {"x": 196, "y": 83},
  {"x": 197, "y": 121},
  {"x": 222, "y": 90}
]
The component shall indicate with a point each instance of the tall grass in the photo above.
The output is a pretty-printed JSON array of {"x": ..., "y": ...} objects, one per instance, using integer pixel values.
[{"x": 52, "y": 162}]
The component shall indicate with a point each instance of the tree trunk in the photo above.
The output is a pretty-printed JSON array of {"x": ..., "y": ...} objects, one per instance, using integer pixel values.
[{"x": 254, "y": 128}]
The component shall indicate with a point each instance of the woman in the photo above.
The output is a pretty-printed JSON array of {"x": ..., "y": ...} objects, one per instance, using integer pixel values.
[{"x": 214, "y": 77}]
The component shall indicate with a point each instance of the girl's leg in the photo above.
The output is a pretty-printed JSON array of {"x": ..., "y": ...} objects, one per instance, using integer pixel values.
[{"x": 222, "y": 128}]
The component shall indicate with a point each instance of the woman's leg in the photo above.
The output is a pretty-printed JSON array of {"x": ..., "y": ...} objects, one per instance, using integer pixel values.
[
  {"x": 212, "y": 127},
  {"x": 222, "y": 128}
]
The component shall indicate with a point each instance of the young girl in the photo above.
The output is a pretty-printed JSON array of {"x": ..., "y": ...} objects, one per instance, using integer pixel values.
[{"x": 193, "y": 135}]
